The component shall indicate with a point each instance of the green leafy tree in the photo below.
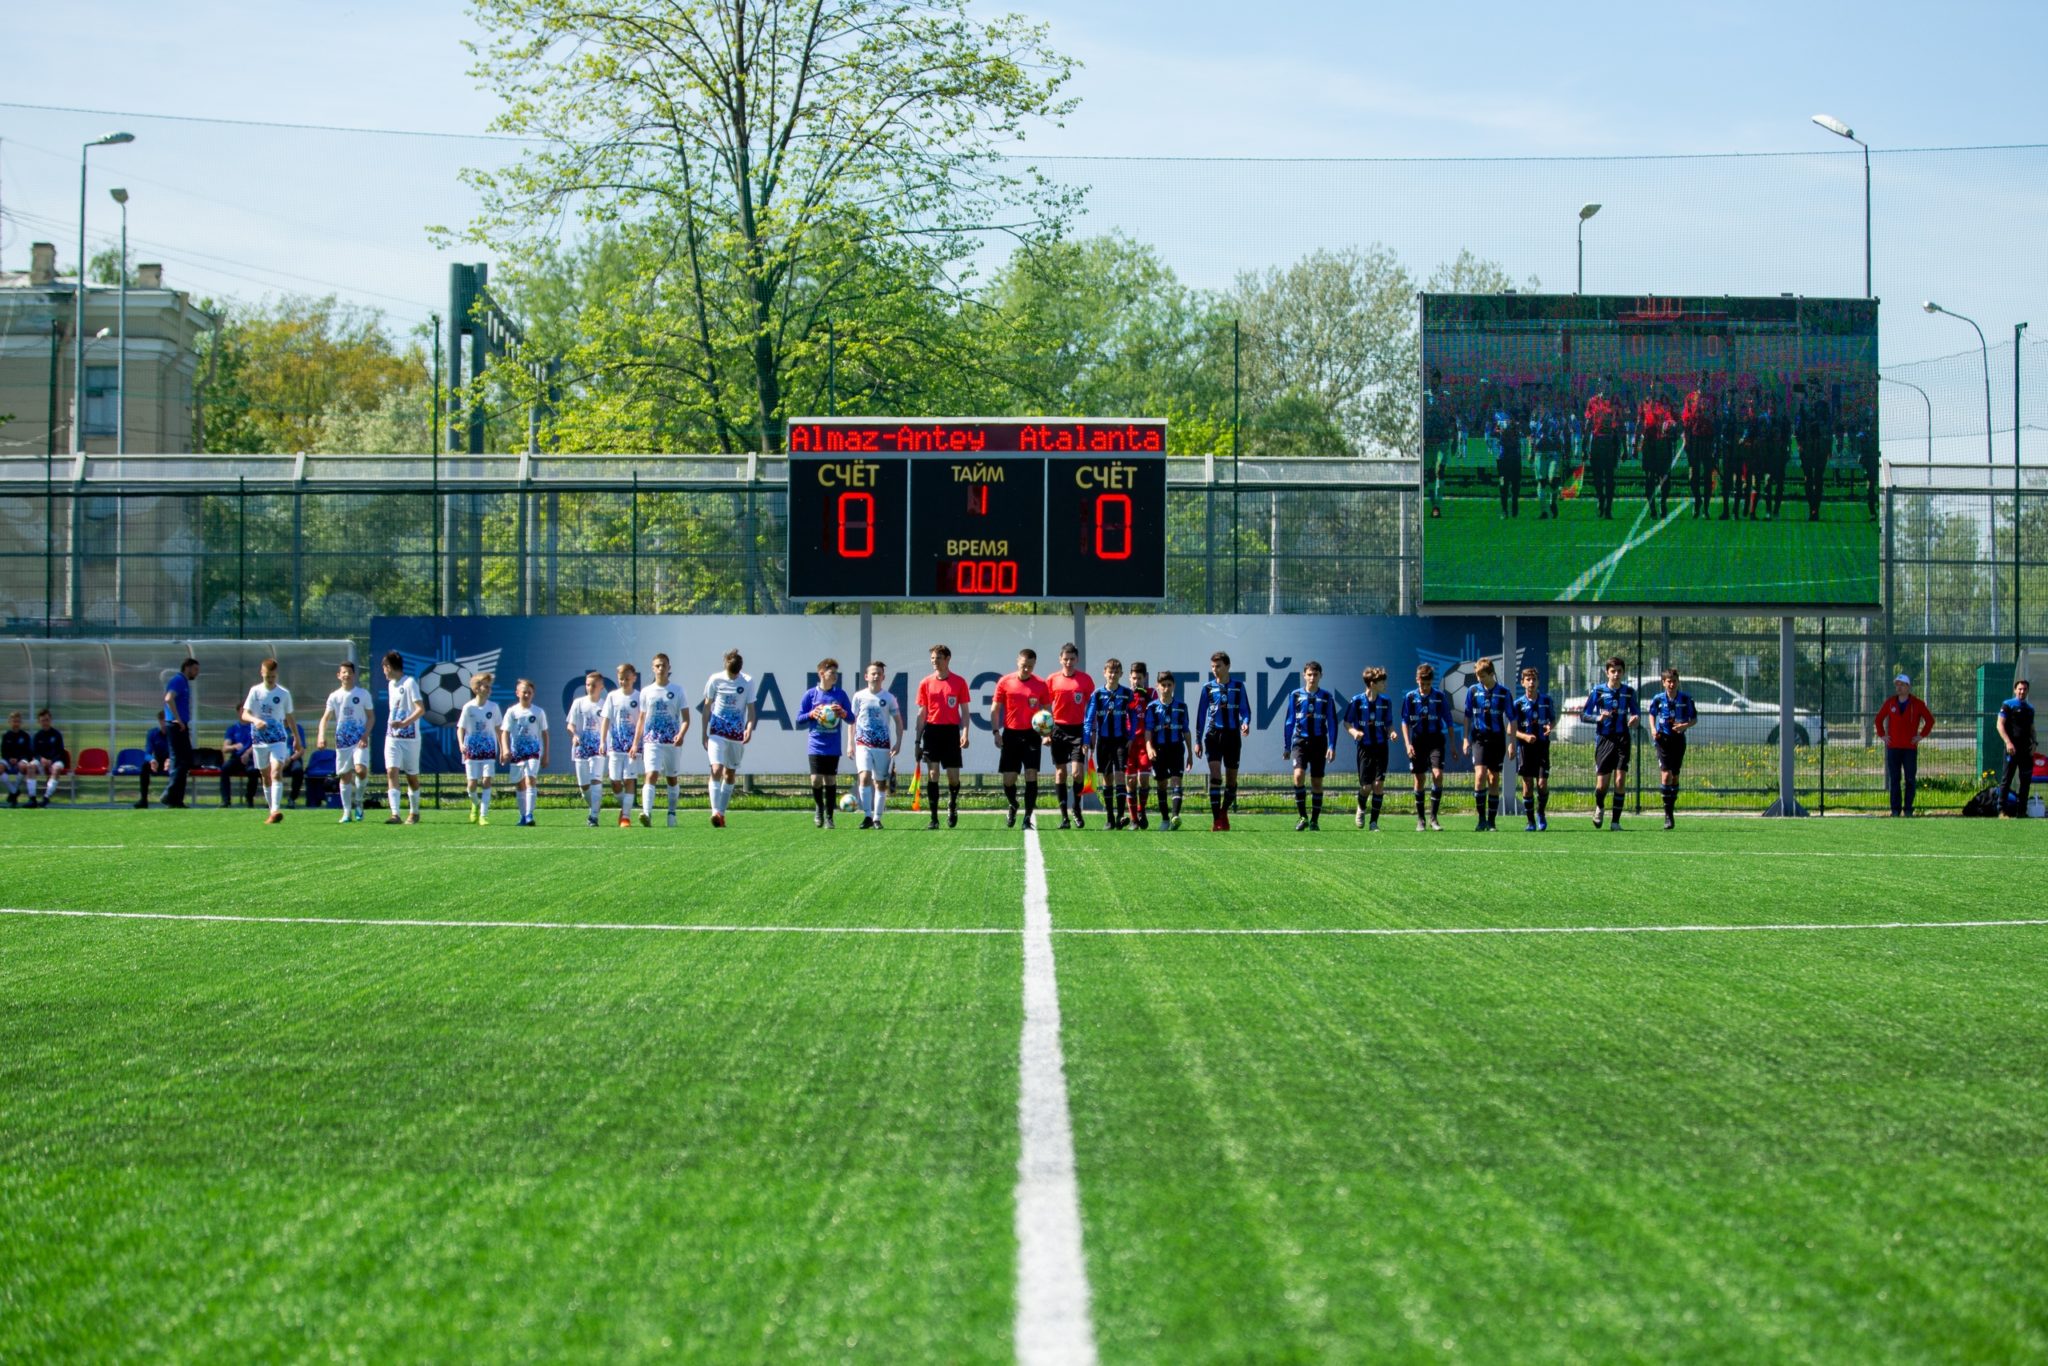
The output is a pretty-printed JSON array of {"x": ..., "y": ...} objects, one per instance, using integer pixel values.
[
  {"x": 775, "y": 169},
  {"x": 275, "y": 375}
]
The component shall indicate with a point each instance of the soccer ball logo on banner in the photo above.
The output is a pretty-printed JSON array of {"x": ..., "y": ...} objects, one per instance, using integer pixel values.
[{"x": 444, "y": 682}]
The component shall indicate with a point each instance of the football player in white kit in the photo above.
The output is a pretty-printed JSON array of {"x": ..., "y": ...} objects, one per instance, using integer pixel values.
[
  {"x": 477, "y": 731},
  {"x": 586, "y": 740},
  {"x": 523, "y": 736},
  {"x": 350, "y": 709},
  {"x": 664, "y": 720},
  {"x": 729, "y": 709},
  {"x": 875, "y": 744},
  {"x": 619, "y": 724},
  {"x": 402, "y": 737},
  {"x": 273, "y": 735}
]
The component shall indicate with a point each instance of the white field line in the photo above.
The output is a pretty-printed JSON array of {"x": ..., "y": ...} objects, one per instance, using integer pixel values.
[
  {"x": 1604, "y": 569},
  {"x": 1423, "y": 931},
  {"x": 1431, "y": 849},
  {"x": 1052, "y": 1325},
  {"x": 980, "y": 931},
  {"x": 618, "y": 927}
]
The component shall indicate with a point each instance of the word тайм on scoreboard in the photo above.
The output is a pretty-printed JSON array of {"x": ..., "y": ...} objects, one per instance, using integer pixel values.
[{"x": 936, "y": 510}]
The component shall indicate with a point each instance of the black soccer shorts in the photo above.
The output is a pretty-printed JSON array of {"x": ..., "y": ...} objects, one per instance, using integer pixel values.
[
  {"x": 1611, "y": 755},
  {"x": 1224, "y": 747},
  {"x": 1671, "y": 753},
  {"x": 1067, "y": 746},
  {"x": 1022, "y": 751}
]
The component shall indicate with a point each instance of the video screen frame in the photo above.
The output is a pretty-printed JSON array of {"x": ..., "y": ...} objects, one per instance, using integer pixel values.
[{"x": 1746, "y": 376}]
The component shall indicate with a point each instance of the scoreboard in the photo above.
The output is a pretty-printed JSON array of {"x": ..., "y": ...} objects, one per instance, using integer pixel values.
[{"x": 977, "y": 509}]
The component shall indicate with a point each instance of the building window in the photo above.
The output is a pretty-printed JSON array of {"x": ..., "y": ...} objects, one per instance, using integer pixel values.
[{"x": 100, "y": 382}]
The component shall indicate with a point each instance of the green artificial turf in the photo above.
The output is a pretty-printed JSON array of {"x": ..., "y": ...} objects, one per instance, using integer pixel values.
[
  {"x": 1472, "y": 554},
  {"x": 253, "y": 1141}
]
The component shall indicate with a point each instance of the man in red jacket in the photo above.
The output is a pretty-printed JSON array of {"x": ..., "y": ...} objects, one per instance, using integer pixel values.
[{"x": 1903, "y": 721}]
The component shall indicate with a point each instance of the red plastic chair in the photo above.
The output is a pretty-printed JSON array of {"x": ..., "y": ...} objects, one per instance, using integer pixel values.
[{"x": 92, "y": 763}]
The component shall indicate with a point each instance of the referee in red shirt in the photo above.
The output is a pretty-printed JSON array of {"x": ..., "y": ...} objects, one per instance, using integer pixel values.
[
  {"x": 1904, "y": 721},
  {"x": 942, "y": 725}
]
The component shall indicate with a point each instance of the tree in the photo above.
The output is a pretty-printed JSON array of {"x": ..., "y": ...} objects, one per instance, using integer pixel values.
[
  {"x": 1470, "y": 274},
  {"x": 275, "y": 375},
  {"x": 775, "y": 167}
]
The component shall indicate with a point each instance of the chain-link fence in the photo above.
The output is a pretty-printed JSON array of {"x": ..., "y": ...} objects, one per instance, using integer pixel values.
[{"x": 296, "y": 549}]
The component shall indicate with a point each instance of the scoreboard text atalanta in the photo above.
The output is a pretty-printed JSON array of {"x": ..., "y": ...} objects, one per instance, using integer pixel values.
[{"x": 941, "y": 509}]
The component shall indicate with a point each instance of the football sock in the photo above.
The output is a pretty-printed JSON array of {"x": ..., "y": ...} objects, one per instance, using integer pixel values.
[
  {"x": 1165, "y": 811},
  {"x": 1492, "y": 807},
  {"x": 51, "y": 790},
  {"x": 1542, "y": 802},
  {"x": 831, "y": 795},
  {"x": 1418, "y": 803},
  {"x": 1362, "y": 795},
  {"x": 881, "y": 801},
  {"x": 392, "y": 794},
  {"x": 626, "y": 801},
  {"x": 1229, "y": 795},
  {"x": 412, "y": 800},
  {"x": 710, "y": 791},
  {"x": 273, "y": 793},
  {"x": 1176, "y": 797},
  {"x": 1061, "y": 784},
  {"x": 594, "y": 794},
  {"x": 1670, "y": 798},
  {"x": 483, "y": 801},
  {"x": 1315, "y": 805},
  {"x": 1436, "y": 801},
  {"x": 953, "y": 797},
  {"x": 1376, "y": 799},
  {"x": 1030, "y": 796},
  {"x": 1618, "y": 795},
  {"x": 1301, "y": 800}
]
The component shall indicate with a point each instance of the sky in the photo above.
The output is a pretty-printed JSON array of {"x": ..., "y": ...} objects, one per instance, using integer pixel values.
[{"x": 1296, "y": 123}]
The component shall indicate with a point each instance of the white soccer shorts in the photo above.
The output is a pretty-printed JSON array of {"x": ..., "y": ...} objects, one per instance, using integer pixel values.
[
  {"x": 874, "y": 759},
  {"x": 267, "y": 752},
  {"x": 727, "y": 753},
  {"x": 479, "y": 768},
  {"x": 527, "y": 769},
  {"x": 622, "y": 766},
  {"x": 590, "y": 770},
  {"x": 402, "y": 756},
  {"x": 347, "y": 761},
  {"x": 663, "y": 761}
]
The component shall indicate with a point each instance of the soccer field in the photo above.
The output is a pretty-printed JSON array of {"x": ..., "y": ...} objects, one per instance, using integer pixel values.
[
  {"x": 1473, "y": 554},
  {"x": 1743, "y": 1090}
]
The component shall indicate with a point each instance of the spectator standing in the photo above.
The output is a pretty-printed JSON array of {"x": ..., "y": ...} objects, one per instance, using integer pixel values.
[
  {"x": 178, "y": 731},
  {"x": 2015, "y": 727},
  {"x": 1904, "y": 722}
]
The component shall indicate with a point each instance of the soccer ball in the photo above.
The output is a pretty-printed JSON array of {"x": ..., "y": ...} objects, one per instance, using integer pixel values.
[
  {"x": 846, "y": 801},
  {"x": 444, "y": 689},
  {"x": 826, "y": 717},
  {"x": 1041, "y": 722}
]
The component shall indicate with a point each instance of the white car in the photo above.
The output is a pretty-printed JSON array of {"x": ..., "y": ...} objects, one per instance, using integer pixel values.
[{"x": 1726, "y": 716}]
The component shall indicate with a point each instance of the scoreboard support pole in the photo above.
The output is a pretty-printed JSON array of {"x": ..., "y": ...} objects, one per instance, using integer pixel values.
[
  {"x": 1510, "y": 785},
  {"x": 867, "y": 638},
  {"x": 1788, "y": 661}
]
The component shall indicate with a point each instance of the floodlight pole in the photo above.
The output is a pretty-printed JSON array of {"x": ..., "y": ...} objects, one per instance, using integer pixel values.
[
  {"x": 78, "y": 297},
  {"x": 2017, "y": 637}
]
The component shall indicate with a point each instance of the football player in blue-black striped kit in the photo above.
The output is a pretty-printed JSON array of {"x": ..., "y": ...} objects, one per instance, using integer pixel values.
[
  {"x": 1611, "y": 707},
  {"x": 1369, "y": 717},
  {"x": 1426, "y": 732},
  {"x": 1486, "y": 741},
  {"x": 1223, "y": 717},
  {"x": 1672, "y": 714},
  {"x": 1166, "y": 745},
  {"x": 1106, "y": 729},
  {"x": 1309, "y": 737},
  {"x": 1532, "y": 718}
]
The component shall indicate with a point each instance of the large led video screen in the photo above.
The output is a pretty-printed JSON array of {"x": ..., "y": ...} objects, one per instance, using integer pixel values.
[{"x": 1649, "y": 454}]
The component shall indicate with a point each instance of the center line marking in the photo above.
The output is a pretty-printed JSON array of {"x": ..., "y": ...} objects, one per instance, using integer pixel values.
[{"x": 1053, "y": 1326}]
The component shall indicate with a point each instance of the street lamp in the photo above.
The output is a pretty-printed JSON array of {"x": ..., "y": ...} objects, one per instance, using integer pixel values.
[
  {"x": 2017, "y": 328},
  {"x": 78, "y": 300},
  {"x": 1587, "y": 212},
  {"x": 1843, "y": 130},
  {"x": 121, "y": 353},
  {"x": 1985, "y": 350}
]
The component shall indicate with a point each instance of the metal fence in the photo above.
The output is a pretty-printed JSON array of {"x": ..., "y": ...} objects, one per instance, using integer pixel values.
[{"x": 260, "y": 548}]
